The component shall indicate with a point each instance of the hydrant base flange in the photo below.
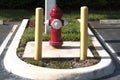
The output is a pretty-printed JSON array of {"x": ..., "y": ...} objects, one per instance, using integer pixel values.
[{"x": 56, "y": 44}]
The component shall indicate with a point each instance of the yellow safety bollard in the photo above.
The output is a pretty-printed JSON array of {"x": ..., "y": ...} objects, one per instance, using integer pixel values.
[
  {"x": 84, "y": 33},
  {"x": 38, "y": 33}
]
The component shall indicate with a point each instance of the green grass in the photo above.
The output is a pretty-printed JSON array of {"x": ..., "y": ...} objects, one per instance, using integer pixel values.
[
  {"x": 50, "y": 63},
  {"x": 70, "y": 32},
  {"x": 15, "y": 14},
  {"x": 27, "y": 36},
  {"x": 63, "y": 63},
  {"x": 97, "y": 15},
  {"x": 19, "y": 14}
]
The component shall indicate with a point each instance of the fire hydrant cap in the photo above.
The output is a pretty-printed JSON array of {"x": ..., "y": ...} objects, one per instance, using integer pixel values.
[{"x": 56, "y": 24}]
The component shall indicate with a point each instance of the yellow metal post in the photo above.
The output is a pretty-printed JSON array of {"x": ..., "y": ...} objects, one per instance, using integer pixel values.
[
  {"x": 38, "y": 33},
  {"x": 84, "y": 33}
]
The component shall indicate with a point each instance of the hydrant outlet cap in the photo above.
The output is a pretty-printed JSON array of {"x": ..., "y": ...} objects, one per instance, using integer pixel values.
[{"x": 56, "y": 24}]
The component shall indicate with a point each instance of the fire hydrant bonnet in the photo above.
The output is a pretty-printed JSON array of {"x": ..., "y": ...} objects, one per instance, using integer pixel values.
[{"x": 56, "y": 12}]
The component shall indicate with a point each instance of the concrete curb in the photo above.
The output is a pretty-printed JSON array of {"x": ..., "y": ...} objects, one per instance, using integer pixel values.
[{"x": 14, "y": 65}]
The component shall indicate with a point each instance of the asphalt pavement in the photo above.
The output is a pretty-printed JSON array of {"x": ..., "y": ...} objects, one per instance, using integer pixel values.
[
  {"x": 4, "y": 31},
  {"x": 109, "y": 36}
]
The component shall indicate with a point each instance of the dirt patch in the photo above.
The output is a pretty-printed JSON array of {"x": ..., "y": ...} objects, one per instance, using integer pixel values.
[{"x": 63, "y": 63}]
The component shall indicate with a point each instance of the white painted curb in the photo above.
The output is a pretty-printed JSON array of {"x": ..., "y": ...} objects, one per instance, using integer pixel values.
[{"x": 14, "y": 65}]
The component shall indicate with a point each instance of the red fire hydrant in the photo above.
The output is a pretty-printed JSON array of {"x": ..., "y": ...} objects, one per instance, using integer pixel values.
[{"x": 56, "y": 23}]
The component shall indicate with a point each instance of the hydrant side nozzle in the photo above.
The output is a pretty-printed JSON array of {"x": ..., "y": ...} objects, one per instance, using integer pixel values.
[{"x": 46, "y": 22}]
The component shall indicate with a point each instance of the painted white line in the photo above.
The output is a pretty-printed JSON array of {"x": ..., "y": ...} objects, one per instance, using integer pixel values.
[
  {"x": 110, "y": 21},
  {"x": 18, "y": 35},
  {"x": 106, "y": 61},
  {"x": 109, "y": 48},
  {"x": 3, "y": 45}
]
